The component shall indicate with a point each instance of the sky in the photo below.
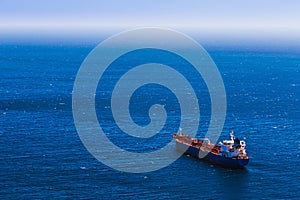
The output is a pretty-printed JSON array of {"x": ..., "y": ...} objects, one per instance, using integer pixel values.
[{"x": 212, "y": 17}]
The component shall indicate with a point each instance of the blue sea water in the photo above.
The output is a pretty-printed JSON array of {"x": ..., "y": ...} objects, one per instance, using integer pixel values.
[{"x": 43, "y": 157}]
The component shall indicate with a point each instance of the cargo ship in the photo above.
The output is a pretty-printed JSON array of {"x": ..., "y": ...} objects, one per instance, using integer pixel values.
[{"x": 229, "y": 153}]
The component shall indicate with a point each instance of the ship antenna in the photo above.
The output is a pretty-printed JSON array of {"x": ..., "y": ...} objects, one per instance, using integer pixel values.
[
  {"x": 232, "y": 135},
  {"x": 180, "y": 130}
]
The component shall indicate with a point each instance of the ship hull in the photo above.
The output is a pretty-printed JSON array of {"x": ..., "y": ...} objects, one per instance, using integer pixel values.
[{"x": 211, "y": 157}]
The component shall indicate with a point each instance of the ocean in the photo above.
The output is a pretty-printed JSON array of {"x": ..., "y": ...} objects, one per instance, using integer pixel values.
[{"x": 42, "y": 156}]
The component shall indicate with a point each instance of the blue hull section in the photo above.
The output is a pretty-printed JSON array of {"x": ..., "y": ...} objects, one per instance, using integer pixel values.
[{"x": 213, "y": 158}]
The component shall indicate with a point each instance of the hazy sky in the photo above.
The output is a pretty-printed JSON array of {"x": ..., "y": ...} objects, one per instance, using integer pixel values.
[{"x": 255, "y": 16}]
